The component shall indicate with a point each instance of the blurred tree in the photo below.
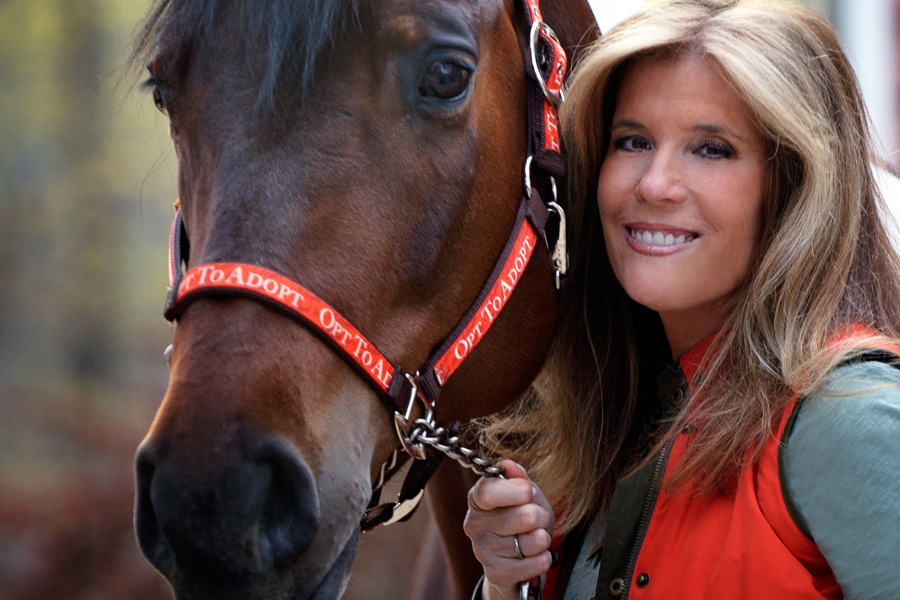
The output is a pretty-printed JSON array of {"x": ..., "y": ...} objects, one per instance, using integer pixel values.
[
  {"x": 58, "y": 238},
  {"x": 73, "y": 156}
]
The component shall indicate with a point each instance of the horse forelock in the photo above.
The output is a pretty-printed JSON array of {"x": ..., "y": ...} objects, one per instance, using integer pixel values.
[{"x": 294, "y": 33}]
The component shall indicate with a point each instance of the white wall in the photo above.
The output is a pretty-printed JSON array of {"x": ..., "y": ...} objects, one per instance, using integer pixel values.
[
  {"x": 867, "y": 27},
  {"x": 610, "y": 12}
]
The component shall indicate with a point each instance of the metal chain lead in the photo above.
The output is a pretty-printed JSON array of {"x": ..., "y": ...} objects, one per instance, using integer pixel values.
[{"x": 425, "y": 432}]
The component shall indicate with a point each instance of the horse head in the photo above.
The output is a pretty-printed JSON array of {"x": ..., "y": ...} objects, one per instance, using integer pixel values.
[{"x": 372, "y": 151}]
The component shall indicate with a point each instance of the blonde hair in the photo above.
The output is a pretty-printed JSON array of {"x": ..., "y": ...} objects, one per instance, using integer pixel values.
[{"x": 824, "y": 261}]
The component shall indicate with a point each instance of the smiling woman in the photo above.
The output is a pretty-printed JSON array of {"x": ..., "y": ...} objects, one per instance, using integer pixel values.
[{"x": 681, "y": 194}]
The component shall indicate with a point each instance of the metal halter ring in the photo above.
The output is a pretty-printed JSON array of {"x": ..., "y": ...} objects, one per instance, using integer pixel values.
[
  {"x": 167, "y": 358},
  {"x": 527, "y": 171},
  {"x": 408, "y": 439},
  {"x": 539, "y": 26}
]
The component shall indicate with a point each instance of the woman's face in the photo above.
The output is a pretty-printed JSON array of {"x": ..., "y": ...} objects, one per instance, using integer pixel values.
[{"x": 681, "y": 192}]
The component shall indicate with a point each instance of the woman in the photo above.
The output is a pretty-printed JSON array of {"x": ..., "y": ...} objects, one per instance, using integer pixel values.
[{"x": 724, "y": 423}]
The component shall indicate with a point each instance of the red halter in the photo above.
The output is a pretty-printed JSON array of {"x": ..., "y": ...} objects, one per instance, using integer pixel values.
[
  {"x": 392, "y": 383},
  {"x": 397, "y": 387}
]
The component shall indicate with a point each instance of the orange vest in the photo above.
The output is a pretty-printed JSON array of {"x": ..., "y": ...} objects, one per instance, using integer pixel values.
[{"x": 743, "y": 545}]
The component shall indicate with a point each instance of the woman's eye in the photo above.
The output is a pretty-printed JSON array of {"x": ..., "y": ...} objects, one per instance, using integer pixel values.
[
  {"x": 715, "y": 150},
  {"x": 445, "y": 80},
  {"x": 631, "y": 143}
]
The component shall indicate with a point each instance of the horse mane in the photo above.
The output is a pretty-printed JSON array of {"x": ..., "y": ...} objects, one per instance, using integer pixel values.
[{"x": 295, "y": 32}]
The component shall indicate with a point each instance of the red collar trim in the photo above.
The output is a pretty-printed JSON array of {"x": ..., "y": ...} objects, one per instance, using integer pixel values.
[
  {"x": 853, "y": 335},
  {"x": 697, "y": 357},
  {"x": 860, "y": 335}
]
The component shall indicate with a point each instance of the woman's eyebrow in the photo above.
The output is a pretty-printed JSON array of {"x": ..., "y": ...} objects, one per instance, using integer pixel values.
[
  {"x": 627, "y": 124},
  {"x": 715, "y": 128}
]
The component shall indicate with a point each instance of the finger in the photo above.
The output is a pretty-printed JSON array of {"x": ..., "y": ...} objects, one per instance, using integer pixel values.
[
  {"x": 516, "y": 472},
  {"x": 499, "y": 548},
  {"x": 509, "y": 572},
  {"x": 539, "y": 499},
  {"x": 513, "y": 470},
  {"x": 492, "y": 493},
  {"x": 507, "y": 521},
  {"x": 533, "y": 543}
]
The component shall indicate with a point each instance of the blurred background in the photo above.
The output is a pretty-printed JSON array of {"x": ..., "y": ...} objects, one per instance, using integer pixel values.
[{"x": 87, "y": 181}]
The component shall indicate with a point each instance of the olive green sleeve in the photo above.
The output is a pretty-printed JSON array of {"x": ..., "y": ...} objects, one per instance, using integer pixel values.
[{"x": 842, "y": 467}]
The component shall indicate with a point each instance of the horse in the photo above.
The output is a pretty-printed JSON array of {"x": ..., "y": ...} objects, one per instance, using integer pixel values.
[{"x": 375, "y": 153}]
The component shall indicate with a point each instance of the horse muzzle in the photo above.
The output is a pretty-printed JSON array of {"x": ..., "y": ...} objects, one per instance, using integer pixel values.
[{"x": 236, "y": 531}]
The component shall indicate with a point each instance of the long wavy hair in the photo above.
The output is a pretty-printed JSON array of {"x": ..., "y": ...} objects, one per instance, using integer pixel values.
[{"x": 823, "y": 261}]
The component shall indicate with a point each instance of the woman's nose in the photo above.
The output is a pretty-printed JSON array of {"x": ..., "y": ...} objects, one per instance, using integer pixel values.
[{"x": 663, "y": 179}]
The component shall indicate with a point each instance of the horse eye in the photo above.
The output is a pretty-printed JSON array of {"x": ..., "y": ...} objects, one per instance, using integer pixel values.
[
  {"x": 158, "y": 101},
  {"x": 445, "y": 80},
  {"x": 153, "y": 85}
]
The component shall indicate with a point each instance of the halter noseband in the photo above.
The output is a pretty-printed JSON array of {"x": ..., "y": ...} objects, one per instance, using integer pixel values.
[{"x": 398, "y": 388}]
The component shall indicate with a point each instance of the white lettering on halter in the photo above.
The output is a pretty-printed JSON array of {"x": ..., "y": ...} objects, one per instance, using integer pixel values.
[
  {"x": 360, "y": 344},
  {"x": 210, "y": 274},
  {"x": 493, "y": 305},
  {"x": 380, "y": 373},
  {"x": 254, "y": 280},
  {"x": 236, "y": 276},
  {"x": 361, "y": 353},
  {"x": 333, "y": 327},
  {"x": 465, "y": 345},
  {"x": 551, "y": 125},
  {"x": 286, "y": 291},
  {"x": 204, "y": 272}
]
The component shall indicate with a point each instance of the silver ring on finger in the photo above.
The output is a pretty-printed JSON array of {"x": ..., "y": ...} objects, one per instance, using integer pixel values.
[{"x": 519, "y": 554}]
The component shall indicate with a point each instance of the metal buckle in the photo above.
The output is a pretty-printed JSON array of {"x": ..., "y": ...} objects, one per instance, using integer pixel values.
[
  {"x": 536, "y": 29},
  {"x": 559, "y": 256},
  {"x": 402, "y": 422}
]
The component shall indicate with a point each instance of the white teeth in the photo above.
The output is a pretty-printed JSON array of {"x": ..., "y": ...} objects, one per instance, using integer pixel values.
[{"x": 658, "y": 238}]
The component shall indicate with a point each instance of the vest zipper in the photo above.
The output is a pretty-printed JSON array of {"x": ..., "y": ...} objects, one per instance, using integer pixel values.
[{"x": 645, "y": 518}]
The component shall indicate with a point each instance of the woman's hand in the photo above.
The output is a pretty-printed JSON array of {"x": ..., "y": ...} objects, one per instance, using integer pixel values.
[{"x": 503, "y": 512}]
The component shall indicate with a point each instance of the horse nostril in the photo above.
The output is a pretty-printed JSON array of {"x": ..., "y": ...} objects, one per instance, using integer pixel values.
[
  {"x": 146, "y": 526},
  {"x": 290, "y": 515},
  {"x": 248, "y": 513}
]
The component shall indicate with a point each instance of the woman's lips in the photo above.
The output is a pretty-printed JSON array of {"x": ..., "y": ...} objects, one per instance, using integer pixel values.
[{"x": 658, "y": 239}]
